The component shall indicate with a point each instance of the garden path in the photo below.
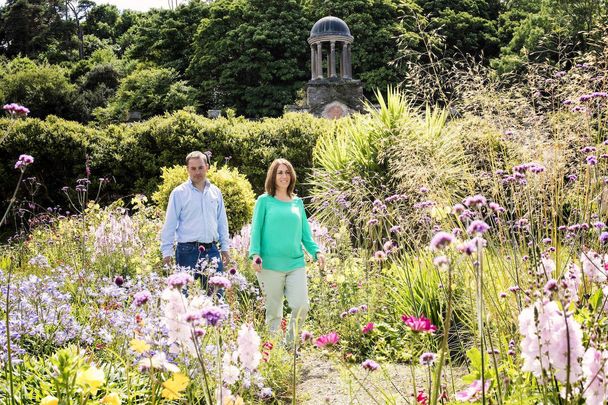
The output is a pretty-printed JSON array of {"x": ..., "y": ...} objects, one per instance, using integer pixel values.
[{"x": 324, "y": 382}]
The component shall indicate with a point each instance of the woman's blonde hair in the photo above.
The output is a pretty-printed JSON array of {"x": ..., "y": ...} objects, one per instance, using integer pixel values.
[{"x": 271, "y": 186}]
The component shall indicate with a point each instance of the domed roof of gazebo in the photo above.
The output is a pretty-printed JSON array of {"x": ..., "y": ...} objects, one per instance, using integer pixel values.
[{"x": 330, "y": 26}]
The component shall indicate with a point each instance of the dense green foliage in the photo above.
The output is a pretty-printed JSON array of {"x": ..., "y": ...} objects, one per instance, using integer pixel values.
[
  {"x": 132, "y": 155},
  {"x": 252, "y": 56}
]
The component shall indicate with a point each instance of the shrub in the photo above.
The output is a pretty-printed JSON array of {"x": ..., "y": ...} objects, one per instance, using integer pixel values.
[{"x": 236, "y": 190}]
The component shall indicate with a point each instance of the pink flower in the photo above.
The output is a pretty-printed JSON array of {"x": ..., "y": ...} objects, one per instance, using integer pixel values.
[
  {"x": 368, "y": 328},
  {"x": 421, "y": 324},
  {"x": 330, "y": 339},
  {"x": 473, "y": 391},
  {"x": 422, "y": 398}
]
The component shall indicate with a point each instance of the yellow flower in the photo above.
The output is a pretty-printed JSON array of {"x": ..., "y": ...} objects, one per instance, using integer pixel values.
[
  {"x": 174, "y": 386},
  {"x": 111, "y": 399},
  {"x": 49, "y": 400},
  {"x": 90, "y": 379},
  {"x": 139, "y": 346}
]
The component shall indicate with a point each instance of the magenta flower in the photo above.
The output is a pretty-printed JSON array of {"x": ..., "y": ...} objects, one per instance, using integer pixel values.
[
  {"x": 368, "y": 328},
  {"x": 330, "y": 339},
  {"x": 24, "y": 161},
  {"x": 119, "y": 281},
  {"x": 421, "y": 324},
  {"x": 370, "y": 365}
]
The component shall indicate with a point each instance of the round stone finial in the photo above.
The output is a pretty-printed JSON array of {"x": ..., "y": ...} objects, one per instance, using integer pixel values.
[{"x": 330, "y": 27}]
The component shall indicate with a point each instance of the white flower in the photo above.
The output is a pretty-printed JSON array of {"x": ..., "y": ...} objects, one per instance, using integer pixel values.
[{"x": 593, "y": 266}]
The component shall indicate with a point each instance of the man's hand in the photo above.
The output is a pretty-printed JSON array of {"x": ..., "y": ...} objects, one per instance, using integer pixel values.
[
  {"x": 257, "y": 263},
  {"x": 225, "y": 258},
  {"x": 167, "y": 260},
  {"x": 321, "y": 260}
]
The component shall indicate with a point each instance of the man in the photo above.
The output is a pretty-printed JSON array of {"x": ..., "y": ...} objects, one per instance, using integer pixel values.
[{"x": 196, "y": 217}]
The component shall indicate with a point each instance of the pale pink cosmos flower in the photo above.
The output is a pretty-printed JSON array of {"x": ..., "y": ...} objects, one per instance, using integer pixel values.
[
  {"x": 552, "y": 342},
  {"x": 595, "y": 371},
  {"x": 249, "y": 347},
  {"x": 473, "y": 391},
  {"x": 420, "y": 324},
  {"x": 593, "y": 266}
]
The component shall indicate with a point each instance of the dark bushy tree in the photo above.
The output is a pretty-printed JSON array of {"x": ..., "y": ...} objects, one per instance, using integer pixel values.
[{"x": 251, "y": 55}]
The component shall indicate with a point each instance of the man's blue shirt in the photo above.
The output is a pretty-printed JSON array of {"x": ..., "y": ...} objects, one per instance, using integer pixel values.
[{"x": 194, "y": 216}]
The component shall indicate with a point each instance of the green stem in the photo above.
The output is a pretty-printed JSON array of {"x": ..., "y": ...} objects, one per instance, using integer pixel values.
[
  {"x": 444, "y": 342},
  {"x": 13, "y": 198}
]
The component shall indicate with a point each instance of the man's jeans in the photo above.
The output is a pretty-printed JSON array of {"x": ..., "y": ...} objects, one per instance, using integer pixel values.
[{"x": 188, "y": 255}]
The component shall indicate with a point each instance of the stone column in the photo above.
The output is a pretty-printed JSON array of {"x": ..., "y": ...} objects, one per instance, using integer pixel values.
[
  {"x": 343, "y": 61},
  {"x": 319, "y": 60},
  {"x": 313, "y": 64},
  {"x": 348, "y": 63},
  {"x": 332, "y": 59}
]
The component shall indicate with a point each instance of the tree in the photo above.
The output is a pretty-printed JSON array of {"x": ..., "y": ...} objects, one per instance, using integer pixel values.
[
  {"x": 251, "y": 55},
  {"x": 149, "y": 91},
  {"x": 164, "y": 37},
  {"x": 468, "y": 26},
  {"x": 78, "y": 10},
  {"x": 43, "y": 88},
  {"x": 28, "y": 27}
]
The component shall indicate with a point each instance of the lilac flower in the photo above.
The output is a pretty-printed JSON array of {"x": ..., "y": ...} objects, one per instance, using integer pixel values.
[
  {"x": 306, "y": 336},
  {"x": 458, "y": 209},
  {"x": 219, "y": 282},
  {"x": 550, "y": 286},
  {"x": 353, "y": 311},
  {"x": 468, "y": 247},
  {"x": 441, "y": 240},
  {"x": 547, "y": 241},
  {"x": 441, "y": 262},
  {"x": 475, "y": 201},
  {"x": 427, "y": 359},
  {"x": 213, "y": 315},
  {"x": 395, "y": 229},
  {"x": 372, "y": 221},
  {"x": 379, "y": 256},
  {"x": 24, "y": 161},
  {"x": 588, "y": 149},
  {"x": 585, "y": 97},
  {"x": 599, "y": 225},
  {"x": 599, "y": 94},
  {"x": 567, "y": 102},
  {"x": 604, "y": 238},
  {"x": 266, "y": 393},
  {"x": 496, "y": 207},
  {"x": 140, "y": 298},
  {"x": 370, "y": 365},
  {"x": 477, "y": 227},
  {"x": 179, "y": 280},
  {"x": 424, "y": 190},
  {"x": 591, "y": 160},
  {"x": 16, "y": 109}
]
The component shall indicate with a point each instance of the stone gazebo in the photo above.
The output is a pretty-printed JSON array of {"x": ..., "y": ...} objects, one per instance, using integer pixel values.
[{"x": 332, "y": 92}]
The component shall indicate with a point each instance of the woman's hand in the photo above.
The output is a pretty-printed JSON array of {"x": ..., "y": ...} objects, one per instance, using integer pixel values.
[
  {"x": 257, "y": 263},
  {"x": 321, "y": 260}
]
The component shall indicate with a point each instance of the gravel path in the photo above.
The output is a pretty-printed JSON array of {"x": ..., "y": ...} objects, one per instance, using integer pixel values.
[{"x": 322, "y": 381}]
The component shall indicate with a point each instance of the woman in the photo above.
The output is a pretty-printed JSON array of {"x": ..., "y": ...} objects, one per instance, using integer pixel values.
[{"x": 278, "y": 231}]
